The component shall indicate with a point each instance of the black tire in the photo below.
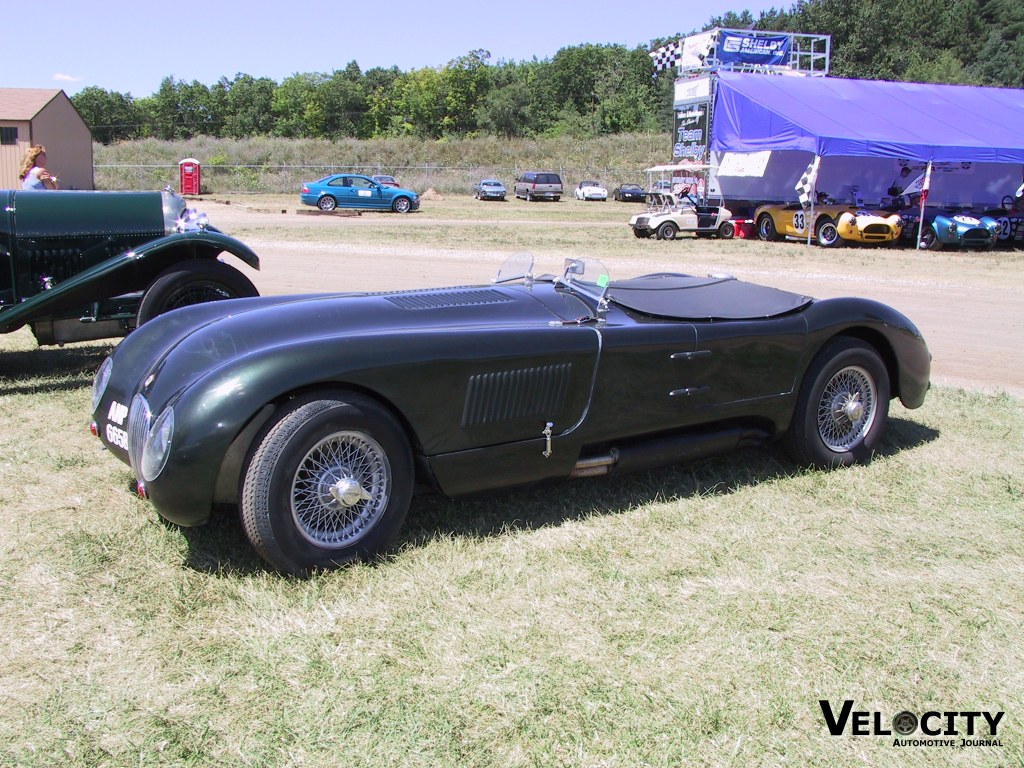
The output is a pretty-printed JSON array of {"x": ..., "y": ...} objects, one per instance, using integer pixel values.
[
  {"x": 401, "y": 205},
  {"x": 842, "y": 407},
  {"x": 326, "y": 203},
  {"x": 766, "y": 228},
  {"x": 667, "y": 231},
  {"x": 328, "y": 482},
  {"x": 195, "y": 282},
  {"x": 827, "y": 233},
  {"x": 727, "y": 230},
  {"x": 643, "y": 233},
  {"x": 929, "y": 240}
]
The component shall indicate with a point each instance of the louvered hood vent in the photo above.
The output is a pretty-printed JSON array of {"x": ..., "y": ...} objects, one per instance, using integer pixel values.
[{"x": 449, "y": 299}]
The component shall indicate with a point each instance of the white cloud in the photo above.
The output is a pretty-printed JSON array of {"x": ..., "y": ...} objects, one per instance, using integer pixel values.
[{"x": 66, "y": 78}]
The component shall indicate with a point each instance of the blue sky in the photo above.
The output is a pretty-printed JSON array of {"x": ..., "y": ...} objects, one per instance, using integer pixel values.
[{"x": 129, "y": 46}]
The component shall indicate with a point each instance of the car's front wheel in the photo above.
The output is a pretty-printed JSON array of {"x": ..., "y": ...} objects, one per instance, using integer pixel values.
[
  {"x": 193, "y": 283},
  {"x": 842, "y": 407},
  {"x": 828, "y": 234},
  {"x": 667, "y": 231},
  {"x": 329, "y": 482},
  {"x": 326, "y": 203},
  {"x": 727, "y": 230},
  {"x": 929, "y": 240},
  {"x": 401, "y": 205}
]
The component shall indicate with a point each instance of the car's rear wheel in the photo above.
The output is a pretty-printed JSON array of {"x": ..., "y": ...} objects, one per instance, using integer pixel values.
[
  {"x": 667, "y": 231},
  {"x": 401, "y": 205},
  {"x": 727, "y": 230},
  {"x": 766, "y": 228},
  {"x": 842, "y": 407},
  {"x": 195, "y": 282},
  {"x": 329, "y": 482},
  {"x": 827, "y": 234},
  {"x": 326, "y": 203}
]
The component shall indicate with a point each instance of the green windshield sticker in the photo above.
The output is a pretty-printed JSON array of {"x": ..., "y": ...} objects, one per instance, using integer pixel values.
[{"x": 602, "y": 281}]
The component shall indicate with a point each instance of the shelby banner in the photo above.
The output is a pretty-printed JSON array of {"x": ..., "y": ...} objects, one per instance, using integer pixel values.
[
  {"x": 691, "y": 132},
  {"x": 747, "y": 49}
]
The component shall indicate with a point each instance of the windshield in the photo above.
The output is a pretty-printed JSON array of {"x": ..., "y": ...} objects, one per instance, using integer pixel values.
[
  {"x": 518, "y": 266},
  {"x": 588, "y": 276},
  {"x": 173, "y": 208}
]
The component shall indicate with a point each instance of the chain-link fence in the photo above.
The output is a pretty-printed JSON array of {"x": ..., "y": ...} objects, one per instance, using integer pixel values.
[{"x": 285, "y": 179}]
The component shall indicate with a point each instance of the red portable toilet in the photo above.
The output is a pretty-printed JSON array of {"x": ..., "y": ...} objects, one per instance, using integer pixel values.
[{"x": 189, "y": 176}]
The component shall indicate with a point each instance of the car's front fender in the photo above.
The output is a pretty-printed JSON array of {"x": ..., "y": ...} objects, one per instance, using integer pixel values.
[{"x": 125, "y": 273}]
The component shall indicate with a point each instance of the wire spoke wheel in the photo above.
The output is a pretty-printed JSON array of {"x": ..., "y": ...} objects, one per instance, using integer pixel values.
[
  {"x": 198, "y": 293},
  {"x": 846, "y": 410},
  {"x": 340, "y": 489}
]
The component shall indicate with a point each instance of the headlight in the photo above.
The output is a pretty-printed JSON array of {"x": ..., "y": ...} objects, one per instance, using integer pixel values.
[
  {"x": 157, "y": 447},
  {"x": 100, "y": 381}
]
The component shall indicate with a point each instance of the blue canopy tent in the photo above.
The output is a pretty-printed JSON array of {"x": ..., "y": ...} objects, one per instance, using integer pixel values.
[{"x": 867, "y": 118}]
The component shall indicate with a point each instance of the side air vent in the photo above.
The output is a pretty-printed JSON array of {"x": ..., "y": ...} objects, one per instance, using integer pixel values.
[
  {"x": 450, "y": 299},
  {"x": 511, "y": 395}
]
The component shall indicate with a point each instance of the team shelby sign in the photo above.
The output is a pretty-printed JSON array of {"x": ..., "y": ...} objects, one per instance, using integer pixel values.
[
  {"x": 691, "y": 139},
  {"x": 747, "y": 49},
  {"x": 958, "y": 729}
]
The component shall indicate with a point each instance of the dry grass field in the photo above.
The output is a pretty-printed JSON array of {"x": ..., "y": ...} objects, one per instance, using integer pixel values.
[{"x": 693, "y": 615}]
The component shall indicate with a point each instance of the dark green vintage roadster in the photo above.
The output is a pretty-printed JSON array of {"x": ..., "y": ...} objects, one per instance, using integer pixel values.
[
  {"x": 318, "y": 416},
  {"x": 77, "y": 266}
]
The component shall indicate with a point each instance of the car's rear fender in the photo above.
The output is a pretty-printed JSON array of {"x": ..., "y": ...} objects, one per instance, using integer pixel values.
[{"x": 897, "y": 340}]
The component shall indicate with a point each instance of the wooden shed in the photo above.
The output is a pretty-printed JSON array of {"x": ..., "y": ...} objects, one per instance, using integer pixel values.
[{"x": 44, "y": 116}]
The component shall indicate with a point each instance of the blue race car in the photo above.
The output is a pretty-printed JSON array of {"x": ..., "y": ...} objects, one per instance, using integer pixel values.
[
  {"x": 949, "y": 228},
  {"x": 349, "y": 190}
]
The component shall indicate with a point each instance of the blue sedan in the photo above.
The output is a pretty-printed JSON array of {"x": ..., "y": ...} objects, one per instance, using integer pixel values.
[{"x": 349, "y": 190}]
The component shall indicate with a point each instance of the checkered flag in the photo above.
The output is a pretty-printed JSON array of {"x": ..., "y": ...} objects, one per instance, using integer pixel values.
[
  {"x": 666, "y": 56},
  {"x": 805, "y": 187}
]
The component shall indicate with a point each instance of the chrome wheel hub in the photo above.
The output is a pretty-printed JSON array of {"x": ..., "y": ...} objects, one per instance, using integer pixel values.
[
  {"x": 341, "y": 488},
  {"x": 846, "y": 410},
  {"x": 347, "y": 492}
]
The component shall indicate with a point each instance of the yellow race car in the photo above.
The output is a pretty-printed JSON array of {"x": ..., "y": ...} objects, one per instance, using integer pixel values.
[{"x": 833, "y": 224}]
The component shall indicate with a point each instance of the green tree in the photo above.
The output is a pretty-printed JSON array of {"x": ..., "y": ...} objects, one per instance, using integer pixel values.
[
  {"x": 249, "y": 106},
  {"x": 463, "y": 86},
  {"x": 111, "y": 116},
  {"x": 506, "y": 111},
  {"x": 298, "y": 106},
  {"x": 998, "y": 59}
]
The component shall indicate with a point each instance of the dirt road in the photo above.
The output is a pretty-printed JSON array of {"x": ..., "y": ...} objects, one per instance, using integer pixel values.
[{"x": 969, "y": 306}]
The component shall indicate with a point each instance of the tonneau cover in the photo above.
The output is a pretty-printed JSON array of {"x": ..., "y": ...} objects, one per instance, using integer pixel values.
[{"x": 685, "y": 297}]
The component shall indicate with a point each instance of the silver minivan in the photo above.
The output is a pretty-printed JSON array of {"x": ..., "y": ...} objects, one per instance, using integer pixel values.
[{"x": 538, "y": 185}]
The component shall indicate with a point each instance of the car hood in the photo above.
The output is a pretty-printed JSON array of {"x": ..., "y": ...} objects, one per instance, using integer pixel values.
[{"x": 201, "y": 337}]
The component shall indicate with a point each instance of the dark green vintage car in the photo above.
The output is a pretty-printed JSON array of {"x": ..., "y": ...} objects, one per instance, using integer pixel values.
[
  {"x": 319, "y": 416},
  {"x": 77, "y": 266}
]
